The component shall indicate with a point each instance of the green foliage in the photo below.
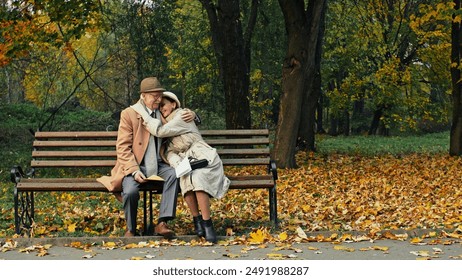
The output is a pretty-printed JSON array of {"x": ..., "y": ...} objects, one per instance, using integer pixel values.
[
  {"x": 393, "y": 58},
  {"x": 19, "y": 121},
  {"x": 435, "y": 143},
  {"x": 86, "y": 120}
]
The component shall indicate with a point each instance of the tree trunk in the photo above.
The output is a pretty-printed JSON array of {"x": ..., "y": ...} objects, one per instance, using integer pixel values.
[
  {"x": 307, "y": 129},
  {"x": 297, "y": 76},
  {"x": 455, "y": 147},
  {"x": 232, "y": 50},
  {"x": 375, "y": 122}
]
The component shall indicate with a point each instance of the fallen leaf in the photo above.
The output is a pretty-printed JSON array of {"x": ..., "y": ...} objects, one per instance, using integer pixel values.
[
  {"x": 283, "y": 236},
  {"x": 301, "y": 233},
  {"x": 232, "y": 256},
  {"x": 275, "y": 256},
  {"x": 379, "y": 248},
  {"x": 344, "y": 248},
  {"x": 421, "y": 253},
  {"x": 71, "y": 227},
  {"x": 258, "y": 236}
]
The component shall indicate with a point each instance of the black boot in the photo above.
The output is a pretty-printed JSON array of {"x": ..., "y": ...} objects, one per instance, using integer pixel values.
[
  {"x": 198, "y": 227},
  {"x": 210, "y": 234}
]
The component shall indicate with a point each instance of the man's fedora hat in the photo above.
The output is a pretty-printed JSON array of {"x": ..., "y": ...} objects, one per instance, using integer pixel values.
[{"x": 151, "y": 84}]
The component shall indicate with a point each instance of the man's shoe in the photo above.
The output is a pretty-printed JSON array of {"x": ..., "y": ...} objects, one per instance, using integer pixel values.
[
  {"x": 129, "y": 234},
  {"x": 162, "y": 229}
]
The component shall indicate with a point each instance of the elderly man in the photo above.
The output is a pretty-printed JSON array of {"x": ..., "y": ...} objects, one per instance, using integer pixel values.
[{"x": 138, "y": 158}]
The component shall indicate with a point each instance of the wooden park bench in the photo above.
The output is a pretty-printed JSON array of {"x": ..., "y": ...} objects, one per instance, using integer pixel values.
[{"x": 94, "y": 151}]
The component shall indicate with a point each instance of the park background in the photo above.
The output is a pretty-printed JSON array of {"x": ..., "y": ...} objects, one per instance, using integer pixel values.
[{"x": 362, "y": 116}]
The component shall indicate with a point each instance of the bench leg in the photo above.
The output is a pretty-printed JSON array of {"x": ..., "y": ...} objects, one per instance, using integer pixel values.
[
  {"x": 148, "y": 227},
  {"x": 23, "y": 210},
  {"x": 273, "y": 206},
  {"x": 16, "y": 212}
]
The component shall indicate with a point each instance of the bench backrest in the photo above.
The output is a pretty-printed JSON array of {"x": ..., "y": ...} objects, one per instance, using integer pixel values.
[{"x": 94, "y": 149}]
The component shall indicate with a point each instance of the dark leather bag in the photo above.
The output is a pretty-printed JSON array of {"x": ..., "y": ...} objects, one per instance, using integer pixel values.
[{"x": 198, "y": 163}]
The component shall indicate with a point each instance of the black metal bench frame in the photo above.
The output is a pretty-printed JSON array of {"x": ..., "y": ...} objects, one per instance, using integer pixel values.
[{"x": 87, "y": 149}]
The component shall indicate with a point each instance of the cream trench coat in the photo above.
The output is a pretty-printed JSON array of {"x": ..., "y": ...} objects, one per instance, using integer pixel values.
[{"x": 182, "y": 139}]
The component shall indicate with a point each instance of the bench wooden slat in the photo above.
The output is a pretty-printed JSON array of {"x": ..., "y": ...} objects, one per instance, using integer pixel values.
[
  {"x": 102, "y": 134},
  {"x": 245, "y": 161},
  {"x": 71, "y": 154},
  {"x": 75, "y": 134},
  {"x": 112, "y": 143},
  {"x": 60, "y": 186},
  {"x": 237, "y": 141},
  {"x": 113, "y": 153},
  {"x": 70, "y": 143},
  {"x": 250, "y": 177},
  {"x": 97, "y": 187},
  {"x": 90, "y": 184},
  {"x": 251, "y": 184},
  {"x": 234, "y": 132},
  {"x": 110, "y": 163},
  {"x": 73, "y": 163},
  {"x": 224, "y": 152}
]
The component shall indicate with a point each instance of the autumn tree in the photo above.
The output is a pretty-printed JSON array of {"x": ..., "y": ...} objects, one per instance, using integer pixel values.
[
  {"x": 384, "y": 62},
  {"x": 231, "y": 43},
  {"x": 298, "y": 77}
]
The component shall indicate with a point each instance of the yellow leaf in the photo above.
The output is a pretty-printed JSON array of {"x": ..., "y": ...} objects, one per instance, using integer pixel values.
[
  {"x": 232, "y": 256},
  {"x": 76, "y": 244},
  {"x": 344, "y": 248},
  {"x": 42, "y": 253},
  {"x": 71, "y": 227},
  {"x": 380, "y": 248},
  {"x": 275, "y": 256},
  {"x": 416, "y": 240},
  {"x": 229, "y": 231},
  {"x": 257, "y": 237},
  {"x": 283, "y": 236}
]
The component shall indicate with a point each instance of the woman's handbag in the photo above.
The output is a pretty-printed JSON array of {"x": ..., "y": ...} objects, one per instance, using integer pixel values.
[
  {"x": 189, "y": 164},
  {"x": 198, "y": 163}
]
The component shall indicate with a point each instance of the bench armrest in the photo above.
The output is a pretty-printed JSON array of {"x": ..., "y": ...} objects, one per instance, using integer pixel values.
[
  {"x": 16, "y": 174},
  {"x": 273, "y": 169}
]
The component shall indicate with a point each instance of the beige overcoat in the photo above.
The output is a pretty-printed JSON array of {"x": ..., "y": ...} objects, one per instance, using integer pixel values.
[{"x": 132, "y": 141}]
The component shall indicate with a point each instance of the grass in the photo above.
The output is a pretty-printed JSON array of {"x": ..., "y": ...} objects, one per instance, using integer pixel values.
[{"x": 434, "y": 143}]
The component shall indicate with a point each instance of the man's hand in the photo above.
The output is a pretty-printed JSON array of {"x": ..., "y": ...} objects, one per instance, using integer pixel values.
[
  {"x": 140, "y": 177},
  {"x": 188, "y": 115}
]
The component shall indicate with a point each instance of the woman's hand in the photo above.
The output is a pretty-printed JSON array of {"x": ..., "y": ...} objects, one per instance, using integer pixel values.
[{"x": 188, "y": 115}]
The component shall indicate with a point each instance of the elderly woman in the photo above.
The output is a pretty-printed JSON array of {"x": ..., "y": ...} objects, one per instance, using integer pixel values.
[{"x": 183, "y": 140}]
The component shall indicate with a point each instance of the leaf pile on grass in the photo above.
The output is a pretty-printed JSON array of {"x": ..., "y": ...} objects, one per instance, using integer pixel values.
[
  {"x": 341, "y": 192},
  {"x": 326, "y": 193}
]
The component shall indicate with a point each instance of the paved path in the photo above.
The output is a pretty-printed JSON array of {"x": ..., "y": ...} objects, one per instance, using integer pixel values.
[
  {"x": 188, "y": 248},
  {"x": 186, "y": 258}
]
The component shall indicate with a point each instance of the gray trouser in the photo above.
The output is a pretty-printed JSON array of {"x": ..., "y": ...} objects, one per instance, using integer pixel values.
[{"x": 168, "y": 201}]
